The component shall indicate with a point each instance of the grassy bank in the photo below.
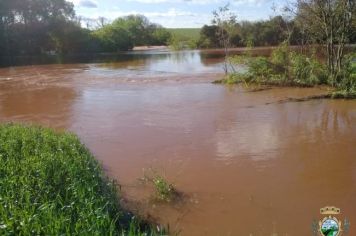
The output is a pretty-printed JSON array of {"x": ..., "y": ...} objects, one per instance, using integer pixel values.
[{"x": 52, "y": 185}]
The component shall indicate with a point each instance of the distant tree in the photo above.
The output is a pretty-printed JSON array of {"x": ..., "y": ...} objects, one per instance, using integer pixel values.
[
  {"x": 124, "y": 33},
  {"x": 159, "y": 35},
  {"x": 208, "y": 37},
  {"x": 113, "y": 38}
]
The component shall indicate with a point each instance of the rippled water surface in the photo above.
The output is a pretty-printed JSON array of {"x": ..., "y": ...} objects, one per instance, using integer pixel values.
[{"x": 247, "y": 163}]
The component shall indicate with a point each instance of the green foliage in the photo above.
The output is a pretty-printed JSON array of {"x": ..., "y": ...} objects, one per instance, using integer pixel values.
[
  {"x": 164, "y": 190},
  {"x": 185, "y": 33},
  {"x": 182, "y": 38},
  {"x": 282, "y": 68},
  {"x": 160, "y": 36},
  {"x": 126, "y": 32},
  {"x": 113, "y": 38},
  {"x": 260, "y": 68},
  {"x": 176, "y": 44},
  {"x": 346, "y": 86},
  {"x": 270, "y": 32},
  {"x": 40, "y": 16},
  {"x": 307, "y": 70},
  {"x": 208, "y": 37},
  {"x": 280, "y": 56},
  {"x": 52, "y": 185},
  {"x": 50, "y": 26}
]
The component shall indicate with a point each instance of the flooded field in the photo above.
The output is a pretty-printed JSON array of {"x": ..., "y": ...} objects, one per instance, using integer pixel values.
[{"x": 247, "y": 163}]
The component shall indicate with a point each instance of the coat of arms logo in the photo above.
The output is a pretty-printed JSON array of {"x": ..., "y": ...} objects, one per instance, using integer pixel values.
[{"x": 330, "y": 225}]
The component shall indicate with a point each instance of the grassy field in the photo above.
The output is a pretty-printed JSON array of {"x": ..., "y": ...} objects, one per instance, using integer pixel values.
[
  {"x": 50, "y": 184},
  {"x": 186, "y": 33}
]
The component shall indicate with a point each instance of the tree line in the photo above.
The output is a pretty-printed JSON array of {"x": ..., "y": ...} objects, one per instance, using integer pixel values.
[
  {"x": 271, "y": 32},
  {"x": 34, "y": 27}
]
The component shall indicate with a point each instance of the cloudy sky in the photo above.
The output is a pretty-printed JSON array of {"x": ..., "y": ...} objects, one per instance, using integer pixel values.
[{"x": 175, "y": 13}]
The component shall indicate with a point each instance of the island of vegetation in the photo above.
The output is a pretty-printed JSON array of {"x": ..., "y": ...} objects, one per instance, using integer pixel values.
[{"x": 325, "y": 28}]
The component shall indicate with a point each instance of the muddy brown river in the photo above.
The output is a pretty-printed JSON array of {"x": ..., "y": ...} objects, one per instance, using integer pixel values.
[{"x": 246, "y": 163}]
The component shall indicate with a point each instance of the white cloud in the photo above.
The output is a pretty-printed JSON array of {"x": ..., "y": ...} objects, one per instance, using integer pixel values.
[
  {"x": 84, "y": 3},
  {"x": 203, "y": 2},
  {"x": 88, "y": 4},
  {"x": 172, "y": 18},
  {"x": 172, "y": 12},
  {"x": 250, "y": 2}
]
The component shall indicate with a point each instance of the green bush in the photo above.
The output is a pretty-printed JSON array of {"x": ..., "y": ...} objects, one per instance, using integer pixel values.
[
  {"x": 282, "y": 68},
  {"x": 306, "y": 71},
  {"x": 260, "y": 68},
  {"x": 280, "y": 58},
  {"x": 52, "y": 185},
  {"x": 346, "y": 86}
]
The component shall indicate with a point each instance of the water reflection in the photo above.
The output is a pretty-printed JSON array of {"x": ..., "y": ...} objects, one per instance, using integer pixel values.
[{"x": 262, "y": 132}]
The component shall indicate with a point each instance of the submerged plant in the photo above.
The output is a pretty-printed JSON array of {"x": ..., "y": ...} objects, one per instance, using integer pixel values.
[{"x": 164, "y": 190}]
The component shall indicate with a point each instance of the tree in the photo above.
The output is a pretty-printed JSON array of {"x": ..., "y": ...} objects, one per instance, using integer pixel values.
[
  {"x": 208, "y": 37},
  {"x": 130, "y": 31},
  {"x": 328, "y": 22},
  {"x": 25, "y": 24},
  {"x": 225, "y": 20}
]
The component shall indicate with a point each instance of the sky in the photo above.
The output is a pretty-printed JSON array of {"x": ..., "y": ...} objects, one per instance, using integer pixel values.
[{"x": 176, "y": 13}]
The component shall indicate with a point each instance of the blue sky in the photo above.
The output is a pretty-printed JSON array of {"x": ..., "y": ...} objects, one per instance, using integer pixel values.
[{"x": 175, "y": 13}]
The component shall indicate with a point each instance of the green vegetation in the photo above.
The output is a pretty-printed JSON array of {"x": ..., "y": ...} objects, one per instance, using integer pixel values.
[
  {"x": 164, "y": 190},
  {"x": 288, "y": 68},
  {"x": 329, "y": 24},
  {"x": 270, "y": 32},
  {"x": 43, "y": 27},
  {"x": 52, "y": 185},
  {"x": 187, "y": 33},
  {"x": 51, "y": 27},
  {"x": 133, "y": 30},
  {"x": 184, "y": 38}
]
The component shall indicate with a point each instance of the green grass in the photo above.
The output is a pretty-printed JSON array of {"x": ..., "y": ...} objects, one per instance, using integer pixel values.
[
  {"x": 50, "y": 184},
  {"x": 185, "y": 33}
]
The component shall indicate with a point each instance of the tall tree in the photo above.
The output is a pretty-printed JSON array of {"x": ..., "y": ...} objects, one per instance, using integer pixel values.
[{"x": 328, "y": 22}]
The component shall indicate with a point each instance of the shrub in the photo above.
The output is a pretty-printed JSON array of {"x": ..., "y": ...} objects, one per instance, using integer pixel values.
[
  {"x": 260, "y": 68},
  {"x": 282, "y": 68},
  {"x": 346, "y": 86},
  {"x": 306, "y": 71}
]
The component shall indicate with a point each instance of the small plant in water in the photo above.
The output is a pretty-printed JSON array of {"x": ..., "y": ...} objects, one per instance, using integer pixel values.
[{"x": 164, "y": 190}]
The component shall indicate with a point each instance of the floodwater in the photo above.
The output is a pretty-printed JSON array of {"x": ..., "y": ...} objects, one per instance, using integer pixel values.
[{"x": 246, "y": 163}]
